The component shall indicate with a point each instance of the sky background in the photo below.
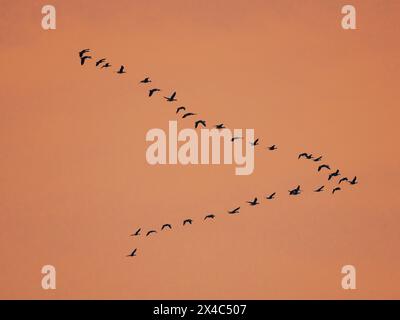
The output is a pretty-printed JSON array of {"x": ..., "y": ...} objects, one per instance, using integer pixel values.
[{"x": 74, "y": 181}]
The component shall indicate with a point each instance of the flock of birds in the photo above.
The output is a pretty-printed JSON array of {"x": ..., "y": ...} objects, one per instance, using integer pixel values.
[{"x": 102, "y": 63}]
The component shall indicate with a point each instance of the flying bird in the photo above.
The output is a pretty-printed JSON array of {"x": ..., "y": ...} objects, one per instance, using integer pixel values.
[
  {"x": 100, "y": 61},
  {"x": 343, "y": 179},
  {"x": 150, "y": 232},
  {"x": 180, "y": 108},
  {"x": 336, "y": 189},
  {"x": 82, "y": 52},
  {"x": 255, "y": 143},
  {"x": 198, "y": 122},
  {"x": 354, "y": 181},
  {"x": 137, "y": 233},
  {"x": 121, "y": 70},
  {"x": 167, "y": 225},
  {"x": 236, "y": 210},
  {"x": 210, "y": 216},
  {"x": 133, "y": 254},
  {"x": 83, "y": 59},
  {"x": 272, "y": 148},
  {"x": 271, "y": 196},
  {"x": 188, "y": 114},
  {"x": 253, "y": 202},
  {"x": 235, "y": 138},
  {"x": 334, "y": 174},
  {"x": 322, "y": 166},
  {"x": 295, "y": 191},
  {"x": 187, "y": 221},
  {"x": 172, "y": 97},
  {"x": 220, "y": 126},
  {"x": 318, "y": 159},
  {"x": 146, "y": 80},
  {"x": 152, "y": 91},
  {"x": 106, "y": 65},
  {"x": 320, "y": 189},
  {"x": 305, "y": 155}
]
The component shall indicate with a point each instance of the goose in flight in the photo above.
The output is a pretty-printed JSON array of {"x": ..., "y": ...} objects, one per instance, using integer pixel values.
[
  {"x": 179, "y": 109},
  {"x": 167, "y": 225},
  {"x": 100, "y": 61},
  {"x": 198, "y": 122},
  {"x": 271, "y": 196},
  {"x": 336, "y": 189},
  {"x": 187, "y": 221},
  {"x": 305, "y": 155},
  {"x": 83, "y": 59},
  {"x": 255, "y": 143},
  {"x": 137, "y": 233},
  {"x": 334, "y": 174},
  {"x": 152, "y": 91},
  {"x": 253, "y": 202},
  {"x": 272, "y": 148},
  {"x": 295, "y": 191},
  {"x": 106, "y": 65},
  {"x": 322, "y": 166},
  {"x": 150, "y": 232},
  {"x": 220, "y": 126},
  {"x": 320, "y": 189},
  {"x": 353, "y": 181},
  {"x": 121, "y": 70},
  {"x": 133, "y": 253},
  {"x": 145, "y": 80},
  {"x": 236, "y": 210},
  {"x": 188, "y": 114},
  {"x": 318, "y": 159},
  {"x": 209, "y": 216},
  {"x": 82, "y": 52},
  {"x": 343, "y": 179},
  {"x": 172, "y": 97}
]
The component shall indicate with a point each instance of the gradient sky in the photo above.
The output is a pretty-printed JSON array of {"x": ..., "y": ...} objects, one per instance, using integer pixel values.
[{"x": 74, "y": 181}]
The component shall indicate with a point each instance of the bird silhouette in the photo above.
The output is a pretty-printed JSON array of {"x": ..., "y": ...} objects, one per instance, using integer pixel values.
[
  {"x": 172, "y": 97},
  {"x": 272, "y": 148},
  {"x": 198, "y": 122},
  {"x": 82, "y": 52},
  {"x": 353, "y": 181},
  {"x": 188, "y": 114},
  {"x": 318, "y": 159},
  {"x": 152, "y": 91},
  {"x": 106, "y": 65},
  {"x": 305, "y": 155},
  {"x": 236, "y": 210},
  {"x": 133, "y": 254},
  {"x": 179, "y": 109},
  {"x": 145, "y": 80},
  {"x": 121, "y": 70},
  {"x": 137, "y": 233},
  {"x": 187, "y": 221},
  {"x": 255, "y": 142},
  {"x": 343, "y": 179},
  {"x": 150, "y": 232},
  {"x": 253, "y": 202},
  {"x": 209, "y": 216},
  {"x": 334, "y": 174},
  {"x": 271, "y": 196},
  {"x": 220, "y": 126},
  {"x": 336, "y": 189},
  {"x": 235, "y": 138},
  {"x": 322, "y": 166},
  {"x": 320, "y": 189},
  {"x": 100, "y": 61},
  {"x": 295, "y": 191},
  {"x": 167, "y": 225},
  {"x": 84, "y": 58}
]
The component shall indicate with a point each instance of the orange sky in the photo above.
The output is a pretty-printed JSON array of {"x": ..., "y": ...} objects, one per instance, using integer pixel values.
[{"x": 75, "y": 182}]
